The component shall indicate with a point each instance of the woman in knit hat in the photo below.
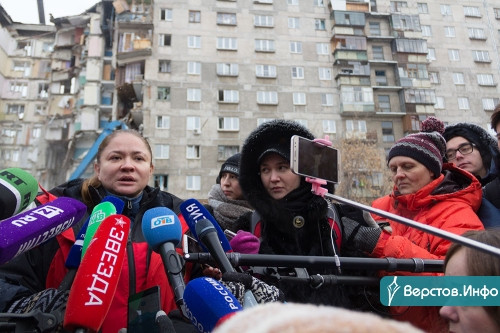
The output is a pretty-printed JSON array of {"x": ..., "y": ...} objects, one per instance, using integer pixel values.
[
  {"x": 425, "y": 190},
  {"x": 225, "y": 199},
  {"x": 472, "y": 148},
  {"x": 289, "y": 218}
]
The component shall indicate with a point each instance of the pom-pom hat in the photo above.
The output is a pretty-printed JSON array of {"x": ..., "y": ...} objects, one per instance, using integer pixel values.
[{"x": 427, "y": 147}]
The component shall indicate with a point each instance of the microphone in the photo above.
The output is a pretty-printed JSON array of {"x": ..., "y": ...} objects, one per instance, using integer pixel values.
[
  {"x": 164, "y": 323},
  {"x": 31, "y": 228},
  {"x": 209, "y": 303},
  {"x": 97, "y": 277},
  {"x": 208, "y": 236},
  {"x": 193, "y": 211},
  {"x": 75, "y": 253},
  {"x": 163, "y": 231},
  {"x": 18, "y": 190},
  {"x": 99, "y": 213}
]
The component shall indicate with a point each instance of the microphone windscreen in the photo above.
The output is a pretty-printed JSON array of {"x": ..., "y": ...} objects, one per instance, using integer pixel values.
[
  {"x": 33, "y": 227},
  {"x": 18, "y": 189},
  {"x": 117, "y": 202},
  {"x": 99, "y": 213},
  {"x": 97, "y": 277},
  {"x": 193, "y": 211},
  {"x": 161, "y": 225},
  {"x": 207, "y": 302}
]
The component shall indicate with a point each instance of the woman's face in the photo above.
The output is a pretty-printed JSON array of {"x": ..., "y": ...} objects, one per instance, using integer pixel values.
[
  {"x": 230, "y": 185},
  {"x": 277, "y": 177},
  {"x": 124, "y": 167},
  {"x": 408, "y": 174},
  {"x": 472, "y": 162},
  {"x": 465, "y": 319}
]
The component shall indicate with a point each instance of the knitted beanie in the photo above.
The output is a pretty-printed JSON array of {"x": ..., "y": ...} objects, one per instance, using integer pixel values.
[
  {"x": 427, "y": 147},
  {"x": 486, "y": 144},
  {"x": 231, "y": 165}
]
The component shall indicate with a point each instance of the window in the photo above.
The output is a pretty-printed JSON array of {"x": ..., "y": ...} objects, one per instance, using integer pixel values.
[
  {"x": 226, "y": 69},
  {"x": 229, "y": 96},
  {"x": 36, "y": 133},
  {"x": 326, "y": 99},
  {"x": 458, "y": 78},
  {"x": 378, "y": 52},
  {"x": 161, "y": 151},
  {"x": 297, "y": 72},
  {"x": 193, "y": 124},
  {"x": 439, "y": 103},
  {"x": 40, "y": 110},
  {"x": 164, "y": 66},
  {"x": 15, "y": 109},
  {"x": 471, "y": 11},
  {"x": 193, "y": 183},
  {"x": 266, "y": 21},
  {"x": 396, "y": 6},
  {"x": 329, "y": 126},
  {"x": 22, "y": 66},
  {"x": 164, "y": 39},
  {"x": 192, "y": 151},
  {"x": 293, "y": 2},
  {"x": 20, "y": 88},
  {"x": 380, "y": 78},
  {"x": 229, "y": 124},
  {"x": 446, "y": 10},
  {"x": 434, "y": 77},
  {"x": 227, "y": 43},
  {"x": 454, "y": 55},
  {"x": 449, "y": 31},
  {"x": 355, "y": 125},
  {"x": 476, "y": 33},
  {"x": 165, "y": 14},
  {"x": 481, "y": 56},
  {"x": 463, "y": 103},
  {"x": 224, "y": 152},
  {"x": 295, "y": 47},
  {"x": 325, "y": 73},
  {"x": 162, "y": 122},
  {"x": 426, "y": 31},
  {"x": 431, "y": 54},
  {"x": 422, "y": 8},
  {"x": 266, "y": 2},
  {"x": 264, "y": 45},
  {"x": 265, "y": 71},
  {"x": 267, "y": 97},
  {"x": 497, "y": 13},
  {"x": 322, "y": 48},
  {"x": 490, "y": 103},
  {"x": 161, "y": 181},
  {"x": 194, "y": 95},
  {"x": 319, "y": 24},
  {"x": 375, "y": 29},
  {"x": 387, "y": 131},
  {"x": 299, "y": 98},
  {"x": 319, "y": 3},
  {"x": 194, "y": 16},
  {"x": 293, "y": 23},
  {"x": 164, "y": 93},
  {"x": 194, "y": 42},
  {"x": 194, "y": 68},
  {"x": 384, "y": 103},
  {"x": 226, "y": 18},
  {"x": 485, "y": 80},
  {"x": 43, "y": 90}
]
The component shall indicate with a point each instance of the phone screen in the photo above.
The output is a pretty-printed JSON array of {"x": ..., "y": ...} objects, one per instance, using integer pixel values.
[
  {"x": 142, "y": 310},
  {"x": 314, "y": 160}
]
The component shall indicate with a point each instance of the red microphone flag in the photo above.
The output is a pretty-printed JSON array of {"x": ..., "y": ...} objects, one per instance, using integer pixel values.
[{"x": 97, "y": 278}]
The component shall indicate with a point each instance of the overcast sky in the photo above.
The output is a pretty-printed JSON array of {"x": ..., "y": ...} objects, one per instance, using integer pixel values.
[{"x": 26, "y": 11}]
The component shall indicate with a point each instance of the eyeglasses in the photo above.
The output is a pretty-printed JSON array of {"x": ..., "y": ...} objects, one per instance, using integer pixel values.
[{"x": 464, "y": 149}]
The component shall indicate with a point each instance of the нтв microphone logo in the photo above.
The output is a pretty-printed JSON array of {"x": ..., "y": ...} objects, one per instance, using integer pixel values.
[
  {"x": 392, "y": 289},
  {"x": 160, "y": 221}
]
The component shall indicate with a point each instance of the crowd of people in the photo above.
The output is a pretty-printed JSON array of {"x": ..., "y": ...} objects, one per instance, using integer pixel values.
[{"x": 439, "y": 176}]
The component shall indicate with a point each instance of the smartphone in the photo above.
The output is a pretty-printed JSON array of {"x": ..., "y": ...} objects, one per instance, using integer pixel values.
[
  {"x": 142, "y": 309},
  {"x": 312, "y": 159}
]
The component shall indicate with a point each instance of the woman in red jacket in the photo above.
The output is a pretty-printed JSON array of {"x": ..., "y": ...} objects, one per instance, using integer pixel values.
[{"x": 426, "y": 191}]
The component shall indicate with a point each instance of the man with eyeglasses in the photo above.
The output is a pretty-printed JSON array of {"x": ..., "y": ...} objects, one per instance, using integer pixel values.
[{"x": 492, "y": 190}]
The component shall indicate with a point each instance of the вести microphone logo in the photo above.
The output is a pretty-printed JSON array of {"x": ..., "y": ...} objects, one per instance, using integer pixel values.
[{"x": 160, "y": 221}]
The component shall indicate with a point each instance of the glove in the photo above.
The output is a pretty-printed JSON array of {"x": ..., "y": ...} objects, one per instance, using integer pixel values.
[
  {"x": 245, "y": 242},
  {"x": 238, "y": 283},
  {"x": 358, "y": 236}
]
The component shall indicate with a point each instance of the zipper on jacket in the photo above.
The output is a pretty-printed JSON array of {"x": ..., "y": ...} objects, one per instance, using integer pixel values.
[{"x": 131, "y": 266}]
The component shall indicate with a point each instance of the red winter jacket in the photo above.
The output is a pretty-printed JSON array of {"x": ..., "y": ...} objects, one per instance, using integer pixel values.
[{"x": 448, "y": 203}]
